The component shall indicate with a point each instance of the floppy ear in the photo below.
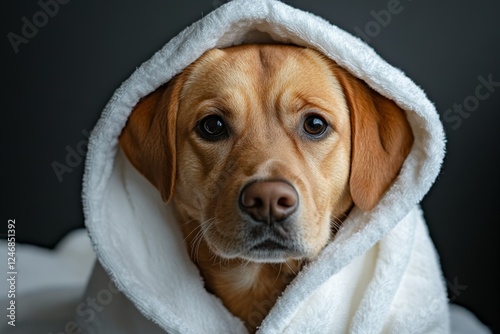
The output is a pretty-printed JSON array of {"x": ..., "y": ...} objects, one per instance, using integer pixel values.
[
  {"x": 148, "y": 138},
  {"x": 381, "y": 139}
]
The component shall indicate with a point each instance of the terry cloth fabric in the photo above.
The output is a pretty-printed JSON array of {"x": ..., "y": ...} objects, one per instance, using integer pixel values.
[
  {"x": 380, "y": 273},
  {"x": 52, "y": 284},
  {"x": 49, "y": 284}
]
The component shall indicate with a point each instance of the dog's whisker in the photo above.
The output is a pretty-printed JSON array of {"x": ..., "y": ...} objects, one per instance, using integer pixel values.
[
  {"x": 187, "y": 236},
  {"x": 293, "y": 272},
  {"x": 188, "y": 221},
  {"x": 278, "y": 275},
  {"x": 213, "y": 258},
  {"x": 192, "y": 245},
  {"x": 246, "y": 262},
  {"x": 336, "y": 223},
  {"x": 201, "y": 235},
  {"x": 195, "y": 243}
]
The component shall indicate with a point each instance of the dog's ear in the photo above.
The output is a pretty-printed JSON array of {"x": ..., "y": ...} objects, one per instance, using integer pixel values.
[
  {"x": 148, "y": 138},
  {"x": 381, "y": 140}
]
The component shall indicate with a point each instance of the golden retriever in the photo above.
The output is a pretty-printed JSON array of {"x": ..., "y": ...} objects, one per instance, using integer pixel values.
[{"x": 264, "y": 149}]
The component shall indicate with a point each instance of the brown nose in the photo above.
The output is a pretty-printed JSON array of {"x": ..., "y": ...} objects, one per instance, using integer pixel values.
[{"x": 269, "y": 201}]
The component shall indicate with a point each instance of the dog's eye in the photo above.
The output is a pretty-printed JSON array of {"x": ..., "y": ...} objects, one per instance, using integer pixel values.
[
  {"x": 212, "y": 127},
  {"x": 315, "y": 125}
]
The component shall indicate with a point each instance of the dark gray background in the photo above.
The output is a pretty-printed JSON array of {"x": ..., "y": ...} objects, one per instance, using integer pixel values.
[{"x": 57, "y": 84}]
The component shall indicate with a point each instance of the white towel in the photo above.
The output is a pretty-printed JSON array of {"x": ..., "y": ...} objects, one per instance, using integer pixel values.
[{"x": 380, "y": 274}]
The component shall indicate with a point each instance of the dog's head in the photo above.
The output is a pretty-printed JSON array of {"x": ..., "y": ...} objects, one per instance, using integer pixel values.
[{"x": 267, "y": 147}]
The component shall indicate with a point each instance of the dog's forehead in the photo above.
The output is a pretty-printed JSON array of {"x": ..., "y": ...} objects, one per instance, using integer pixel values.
[
  {"x": 266, "y": 77},
  {"x": 259, "y": 66}
]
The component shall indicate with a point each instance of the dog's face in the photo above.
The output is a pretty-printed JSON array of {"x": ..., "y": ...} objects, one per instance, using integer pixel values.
[
  {"x": 263, "y": 151},
  {"x": 266, "y": 147}
]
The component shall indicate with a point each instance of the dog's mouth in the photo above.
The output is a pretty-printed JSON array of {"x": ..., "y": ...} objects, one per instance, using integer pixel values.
[
  {"x": 271, "y": 250},
  {"x": 270, "y": 245}
]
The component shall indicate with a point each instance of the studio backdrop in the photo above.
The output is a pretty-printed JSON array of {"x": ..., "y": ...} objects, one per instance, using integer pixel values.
[{"x": 64, "y": 59}]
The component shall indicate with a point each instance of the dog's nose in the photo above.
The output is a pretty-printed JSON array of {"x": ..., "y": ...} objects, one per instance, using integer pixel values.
[{"x": 269, "y": 201}]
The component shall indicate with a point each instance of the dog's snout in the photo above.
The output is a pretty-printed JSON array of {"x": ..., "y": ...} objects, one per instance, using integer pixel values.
[{"x": 269, "y": 201}]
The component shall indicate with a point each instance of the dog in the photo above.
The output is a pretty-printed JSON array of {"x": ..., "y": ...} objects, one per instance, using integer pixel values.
[{"x": 263, "y": 151}]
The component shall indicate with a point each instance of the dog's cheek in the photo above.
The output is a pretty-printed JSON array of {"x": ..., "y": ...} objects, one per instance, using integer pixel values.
[
  {"x": 228, "y": 227},
  {"x": 313, "y": 229},
  {"x": 326, "y": 199},
  {"x": 226, "y": 211},
  {"x": 225, "y": 234},
  {"x": 189, "y": 192}
]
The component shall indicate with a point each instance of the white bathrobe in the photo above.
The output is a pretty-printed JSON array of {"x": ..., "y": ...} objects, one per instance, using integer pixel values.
[{"x": 380, "y": 274}]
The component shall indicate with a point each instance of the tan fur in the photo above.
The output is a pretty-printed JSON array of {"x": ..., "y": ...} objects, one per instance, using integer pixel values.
[{"x": 263, "y": 93}]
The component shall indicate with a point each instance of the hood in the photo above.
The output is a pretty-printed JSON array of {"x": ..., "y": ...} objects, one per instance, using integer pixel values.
[{"x": 137, "y": 241}]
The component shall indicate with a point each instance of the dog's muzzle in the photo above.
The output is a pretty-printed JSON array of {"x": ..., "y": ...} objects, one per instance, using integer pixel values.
[{"x": 269, "y": 207}]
